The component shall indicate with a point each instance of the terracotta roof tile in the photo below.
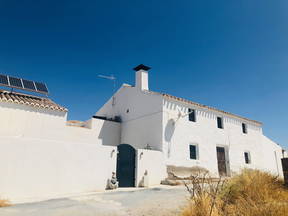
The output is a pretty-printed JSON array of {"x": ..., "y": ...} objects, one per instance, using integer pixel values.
[
  {"x": 76, "y": 123},
  {"x": 34, "y": 101}
]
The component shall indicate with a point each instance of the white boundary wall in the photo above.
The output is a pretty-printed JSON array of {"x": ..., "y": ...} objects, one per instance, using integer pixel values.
[
  {"x": 33, "y": 169},
  {"x": 41, "y": 157},
  {"x": 152, "y": 162}
]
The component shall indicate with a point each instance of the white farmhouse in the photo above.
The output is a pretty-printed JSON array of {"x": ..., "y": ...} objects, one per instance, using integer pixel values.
[
  {"x": 138, "y": 134},
  {"x": 190, "y": 134}
]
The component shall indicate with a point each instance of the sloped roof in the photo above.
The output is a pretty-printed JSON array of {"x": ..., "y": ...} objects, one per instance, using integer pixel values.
[
  {"x": 204, "y": 106},
  {"x": 34, "y": 101}
]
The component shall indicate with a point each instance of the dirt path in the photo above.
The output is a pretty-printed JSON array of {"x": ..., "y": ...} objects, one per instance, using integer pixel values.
[{"x": 159, "y": 201}]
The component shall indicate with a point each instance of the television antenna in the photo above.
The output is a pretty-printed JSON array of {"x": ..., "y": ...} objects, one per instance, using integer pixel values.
[
  {"x": 112, "y": 78},
  {"x": 181, "y": 115}
]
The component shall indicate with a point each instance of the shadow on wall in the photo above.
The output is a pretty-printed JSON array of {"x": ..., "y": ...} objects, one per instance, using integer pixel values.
[
  {"x": 169, "y": 130},
  {"x": 144, "y": 182},
  {"x": 109, "y": 134}
]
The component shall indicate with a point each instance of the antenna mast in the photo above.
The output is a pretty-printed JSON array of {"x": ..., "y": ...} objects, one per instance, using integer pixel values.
[{"x": 112, "y": 78}]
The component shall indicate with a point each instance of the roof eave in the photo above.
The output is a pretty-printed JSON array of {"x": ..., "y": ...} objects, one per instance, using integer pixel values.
[{"x": 210, "y": 108}]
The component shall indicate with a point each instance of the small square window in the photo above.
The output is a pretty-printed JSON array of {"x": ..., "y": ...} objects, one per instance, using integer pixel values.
[
  {"x": 192, "y": 115},
  {"x": 220, "y": 122},
  {"x": 193, "y": 152},
  {"x": 247, "y": 157},
  {"x": 244, "y": 128}
]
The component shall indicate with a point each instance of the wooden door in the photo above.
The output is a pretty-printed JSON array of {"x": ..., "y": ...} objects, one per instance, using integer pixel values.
[
  {"x": 221, "y": 159},
  {"x": 285, "y": 169}
]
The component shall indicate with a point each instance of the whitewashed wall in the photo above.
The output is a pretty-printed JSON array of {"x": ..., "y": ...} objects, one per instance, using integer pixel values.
[
  {"x": 150, "y": 122},
  {"x": 38, "y": 169},
  {"x": 205, "y": 134},
  {"x": 41, "y": 157},
  {"x": 272, "y": 154},
  {"x": 24, "y": 121},
  {"x": 141, "y": 115},
  {"x": 153, "y": 162}
]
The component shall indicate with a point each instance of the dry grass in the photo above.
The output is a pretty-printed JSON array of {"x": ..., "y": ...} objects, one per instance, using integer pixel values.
[
  {"x": 251, "y": 193},
  {"x": 4, "y": 203}
]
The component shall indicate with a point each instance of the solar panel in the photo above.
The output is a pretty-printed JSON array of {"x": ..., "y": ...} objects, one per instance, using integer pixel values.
[
  {"x": 23, "y": 84},
  {"x": 15, "y": 82},
  {"x": 4, "y": 79},
  {"x": 41, "y": 87},
  {"x": 28, "y": 85}
]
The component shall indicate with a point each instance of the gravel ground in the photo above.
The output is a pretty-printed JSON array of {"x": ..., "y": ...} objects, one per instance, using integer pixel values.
[{"x": 158, "y": 201}]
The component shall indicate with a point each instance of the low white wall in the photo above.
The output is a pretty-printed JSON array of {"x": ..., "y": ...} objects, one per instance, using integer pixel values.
[
  {"x": 42, "y": 157},
  {"x": 33, "y": 169},
  {"x": 152, "y": 162}
]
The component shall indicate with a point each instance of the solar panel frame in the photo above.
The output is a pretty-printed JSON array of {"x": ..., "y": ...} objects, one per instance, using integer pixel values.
[
  {"x": 4, "y": 80},
  {"x": 41, "y": 87},
  {"x": 23, "y": 84},
  {"x": 15, "y": 82},
  {"x": 28, "y": 85}
]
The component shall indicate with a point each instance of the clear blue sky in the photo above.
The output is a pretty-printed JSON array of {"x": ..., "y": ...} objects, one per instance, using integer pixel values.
[{"x": 232, "y": 55}]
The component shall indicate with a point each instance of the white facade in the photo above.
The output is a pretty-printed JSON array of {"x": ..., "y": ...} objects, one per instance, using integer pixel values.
[
  {"x": 205, "y": 134},
  {"x": 161, "y": 122},
  {"x": 43, "y": 156}
]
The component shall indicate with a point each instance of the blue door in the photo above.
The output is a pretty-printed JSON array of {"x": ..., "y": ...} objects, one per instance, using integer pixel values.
[{"x": 126, "y": 166}]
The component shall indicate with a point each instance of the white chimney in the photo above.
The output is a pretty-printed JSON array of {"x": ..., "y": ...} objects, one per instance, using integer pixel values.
[{"x": 142, "y": 77}]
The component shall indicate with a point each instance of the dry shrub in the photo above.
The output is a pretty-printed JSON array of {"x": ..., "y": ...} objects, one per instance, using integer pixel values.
[
  {"x": 251, "y": 193},
  {"x": 201, "y": 206},
  {"x": 204, "y": 192},
  {"x": 4, "y": 203}
]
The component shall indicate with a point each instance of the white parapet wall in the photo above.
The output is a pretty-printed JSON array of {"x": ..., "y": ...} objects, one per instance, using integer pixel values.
[{"x": 150, "y": 163}]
